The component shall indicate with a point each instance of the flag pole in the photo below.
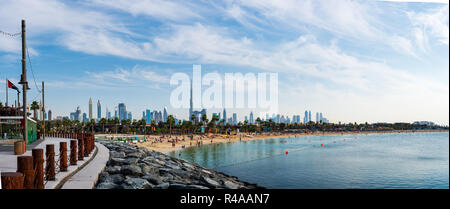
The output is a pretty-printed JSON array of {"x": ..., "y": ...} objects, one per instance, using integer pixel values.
[{"x": 6, "y": 104}]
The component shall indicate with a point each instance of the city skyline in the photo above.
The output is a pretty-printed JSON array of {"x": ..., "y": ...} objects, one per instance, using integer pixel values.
[{"x": 383, "y": 61}]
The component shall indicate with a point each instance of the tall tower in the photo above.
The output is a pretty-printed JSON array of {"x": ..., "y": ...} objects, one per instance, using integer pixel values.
[
  {"x": 190, "y": 106},
  {"x": 99, "y": 110},
  {"x": 225, "y": 116},
  {"x": 90, "y": 109},
  {"x": 165, "y": 114}
]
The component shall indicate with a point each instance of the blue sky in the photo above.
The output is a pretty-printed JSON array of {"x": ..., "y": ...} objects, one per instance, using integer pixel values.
[{"x": 355, "y": 61}]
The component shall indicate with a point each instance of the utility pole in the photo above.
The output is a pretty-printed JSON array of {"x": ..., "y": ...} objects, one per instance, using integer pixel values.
[
  {"x": 23, "y": 81},
  {"x": 43, "y": 112}
]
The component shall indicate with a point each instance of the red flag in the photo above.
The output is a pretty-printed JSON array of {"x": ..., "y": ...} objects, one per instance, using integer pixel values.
[{"x": 12, "y": 86}]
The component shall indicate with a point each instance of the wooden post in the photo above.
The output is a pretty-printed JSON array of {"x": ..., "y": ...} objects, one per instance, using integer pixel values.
[
  {"x": 73, "y": 152},
  {"x": 38, "y": 161},
  {"x": 19, "y": 147},
  {"x": 80, "y": 150},
  {"x": 12, "y": 180},
  {"x": 25, "y": 166},
  {"x": 63, "y": 156},
  {"x": 50, "y": 159}
]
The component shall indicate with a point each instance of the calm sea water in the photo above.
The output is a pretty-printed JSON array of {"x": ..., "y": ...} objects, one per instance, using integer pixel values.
[{"x": 400, "y": 160}]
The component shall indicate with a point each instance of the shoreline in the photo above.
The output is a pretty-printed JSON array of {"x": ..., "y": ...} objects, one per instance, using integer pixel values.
[{"x": 164, "y": 144}]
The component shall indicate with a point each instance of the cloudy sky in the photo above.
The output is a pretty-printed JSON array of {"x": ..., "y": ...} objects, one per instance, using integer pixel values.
[{"x": 355, "y": 61}]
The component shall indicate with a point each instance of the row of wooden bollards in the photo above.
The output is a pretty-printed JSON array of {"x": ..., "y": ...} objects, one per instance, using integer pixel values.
[{"x": 30, "y": 169}]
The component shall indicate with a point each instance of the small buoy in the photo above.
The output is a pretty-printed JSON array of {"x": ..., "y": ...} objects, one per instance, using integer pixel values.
[
  {"x": 321, "y": 145},
  {"x": 287, "y": 152},
  {"x": 344, "y": 140}
]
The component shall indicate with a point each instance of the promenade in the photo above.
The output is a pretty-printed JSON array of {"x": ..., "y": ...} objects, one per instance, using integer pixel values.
[{"x": 80, "y": 176}]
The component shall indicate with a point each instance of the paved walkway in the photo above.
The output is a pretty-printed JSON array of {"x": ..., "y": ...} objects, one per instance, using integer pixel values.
[
  {"x": 8, "y": 161},
  {"x": 87, "y": 177}
]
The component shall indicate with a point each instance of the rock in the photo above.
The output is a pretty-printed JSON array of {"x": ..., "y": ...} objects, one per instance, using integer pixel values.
[
  {"x": 172, "y": 166},
  {"x": 149, "y": 170},
  {"x": 130, "y": 161},
  {"x": 210, "y": 181},
  {"x": 136, "y": 183},
  {"x": 107, "y": 185},
  {"x": 162, "y": 186},
  {"x": 205, "y": 171},
  {"x": 113, "y": 169},
  {"x": 153, "y": 179},
  {"x": 116, "y": 178},
  {"x": 103, "y": 174},
  {"x": 132, "y": 170},
  {"x": 189, "y": 166},
  {"x": 196, "y": 187},
  {"x": 115, "y": 154},
  {"x": 116, "y": 161},
  {"x": 230, "y": 185},
  {"x": 135, "y": 155}
]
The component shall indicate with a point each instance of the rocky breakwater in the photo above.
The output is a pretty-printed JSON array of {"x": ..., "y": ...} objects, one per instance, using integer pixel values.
[{"x": 133, "y": 167}]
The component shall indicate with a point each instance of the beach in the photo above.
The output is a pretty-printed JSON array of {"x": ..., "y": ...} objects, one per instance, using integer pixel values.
[{"x": 169, "y": 143}]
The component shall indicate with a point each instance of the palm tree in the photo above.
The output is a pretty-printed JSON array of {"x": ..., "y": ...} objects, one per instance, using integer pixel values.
[
  {"x": 103, "y": 122},
  {"x": 170, "y": 121},
  {"x": 35, "y": 107}
]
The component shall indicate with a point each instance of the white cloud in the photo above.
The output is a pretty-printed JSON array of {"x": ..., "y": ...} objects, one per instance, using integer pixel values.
[
  {"x": 434, "y": 22},
  {"x": 171, "y": 10}
]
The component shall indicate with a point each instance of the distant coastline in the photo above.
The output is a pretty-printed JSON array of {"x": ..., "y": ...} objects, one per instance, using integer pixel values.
[{"x": 166, "y": 145}]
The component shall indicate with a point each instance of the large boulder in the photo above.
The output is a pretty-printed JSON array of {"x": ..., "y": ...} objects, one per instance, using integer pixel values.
[
  {"x": 136, "y": 183},
  {"x": 107, "y": 185},
  {"x": 131, "y": 170}
]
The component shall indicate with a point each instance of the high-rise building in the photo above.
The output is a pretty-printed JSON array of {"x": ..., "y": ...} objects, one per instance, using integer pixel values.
[
  {"x": 165, "y": 115},
  {"x": 321, "y": 117},
  {"x": 99, "y": 110},
  {"x": 190, "y": 106},
  {"x": 245, "y": 119},
  {"x": 317, "y": 117},
  {"x": 85, "y": 118},
  {"x": 251, "y": 118},
  {"x": 234, "y": 118},
  {"x": 309, "y": 116},
  {"x": 129, "y": 116},
  {"x": 122, "y": 111},
  {"x": 143, "y": 115},
  {"x": 49, "y": 115},
  {"x": 148, "y": 116},
  {"x": 225, "y": 116},
  {"x": 90, "y": 109}
]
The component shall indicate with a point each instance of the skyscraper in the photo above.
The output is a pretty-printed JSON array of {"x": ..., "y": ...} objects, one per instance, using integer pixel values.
[
  {"x": 129, "y": 116},
  {"x": 190, "y": 106},
  {"x": 225, "y": 116},
  {"x": 85, "y": 118},
  {"x": 251, "y": 118},
  {"x": 234, "y": 118},
  {"x": 99, "y": 110},
  {"x": 49, "y": 115},
  {"x": 165, "y": 115},
  {"x": 309, "y": 116},
  {"x": 122, "y": 111},
  {"x": 148, "y": 116},
  {"x": 317, "y": 117},
  {"x": 90, "y": 109}
]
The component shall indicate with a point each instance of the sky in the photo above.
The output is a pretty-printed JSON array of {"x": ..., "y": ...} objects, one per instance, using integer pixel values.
[{"x": 354, "y": 61}]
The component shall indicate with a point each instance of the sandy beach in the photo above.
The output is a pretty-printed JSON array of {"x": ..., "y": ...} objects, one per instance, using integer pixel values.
[{"x": 169, "y": 143}]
